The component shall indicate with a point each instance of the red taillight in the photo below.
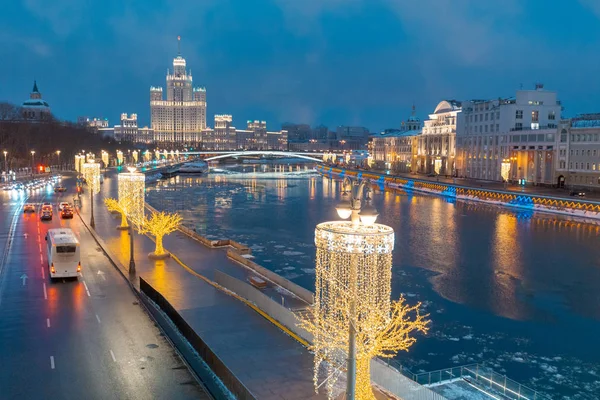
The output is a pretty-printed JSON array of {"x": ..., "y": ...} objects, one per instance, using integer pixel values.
[
  {"x": 52, "y": 269},
  {"x": 79, "y": 267}
]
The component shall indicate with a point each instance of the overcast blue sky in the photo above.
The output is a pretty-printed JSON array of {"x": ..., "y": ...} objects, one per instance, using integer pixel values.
[{"x": 336, "y": 62}]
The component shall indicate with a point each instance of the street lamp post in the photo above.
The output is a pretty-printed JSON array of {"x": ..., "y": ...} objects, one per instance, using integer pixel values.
[
  {"x": 353, "y": 209},
  {"x": 5, "y": 162},
  {"x": 32, "y": 161},
  {"x": 58, "y": 154},
  {"x": 353, "y": 319},
  {"x": 91, "y": 173}
]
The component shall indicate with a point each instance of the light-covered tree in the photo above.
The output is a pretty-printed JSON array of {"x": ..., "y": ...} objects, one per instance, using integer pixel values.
[
  {"x": 377, "y": 335},
  {"x": 114, "y": 205},
  {"x": 158, "y": 225},
  {"x": 353, "y": 315}
]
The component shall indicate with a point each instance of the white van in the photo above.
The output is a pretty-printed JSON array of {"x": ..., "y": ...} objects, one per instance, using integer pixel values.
[{"x": 63, "y": 253}]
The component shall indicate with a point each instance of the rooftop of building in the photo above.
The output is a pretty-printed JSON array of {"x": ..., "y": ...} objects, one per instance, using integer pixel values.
[
  {"x": 445, "y": 106},
  {"x": 586, "y": 123},
  {"x": 396, "y": 133},
  {"x": 30, "y": 103}
]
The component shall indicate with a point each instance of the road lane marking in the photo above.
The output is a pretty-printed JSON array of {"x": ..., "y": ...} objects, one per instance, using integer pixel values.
[
  {"x": 45, "y": 293},
  {"x": 86, "y": 289},
  {"x": 43, "y": 273},
  {"x": 48, "y": 322},
  {"x": 113, "y": 356},
  {"x": 97, "y": 318},
  {"x": 52, "y": 362}
]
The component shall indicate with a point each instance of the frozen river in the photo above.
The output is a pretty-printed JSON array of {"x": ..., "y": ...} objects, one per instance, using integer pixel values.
[{"x": 517, "y": 291}]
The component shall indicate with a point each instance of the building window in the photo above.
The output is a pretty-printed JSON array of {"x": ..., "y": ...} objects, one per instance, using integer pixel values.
[
  {"x": 498, "y": 126},
  {"x": 588, "y": 166},
  {"x": 551, "y": 115},
  {"x": 497, "y": 114},
  {"x": 519, "y": 114},
  {"x": 576, "y": 152},
  {"x": 588, "y": 152},
  {"x": 576, "y": 165},
  {"x": 535, "y": 116},
  {"x": 476, "y": 118},
  {"x": 571, "y": 165},
  {"x": 518, "y": 126},
  {"x": 486, "y": 116}
]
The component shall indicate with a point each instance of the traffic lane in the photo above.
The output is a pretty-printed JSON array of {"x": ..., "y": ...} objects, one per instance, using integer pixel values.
[
  {"x": 142, "y": 364},
  {"x": 23, "y": 316},
  {"x": 11, "y": 202},
  {"x": 70, "y": 359},
  {"x": 145, "y": 359}
]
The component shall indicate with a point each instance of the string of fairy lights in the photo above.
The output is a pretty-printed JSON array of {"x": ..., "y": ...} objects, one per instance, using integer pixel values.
[
  {"x": 91, "y": 174},
  {"x": 353, "y": 288},
  {"x": 131, "y": 188}
]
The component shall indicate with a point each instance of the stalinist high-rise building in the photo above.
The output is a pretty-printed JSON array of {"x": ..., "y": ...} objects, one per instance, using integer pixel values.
[{"x": 182, "y": 116}]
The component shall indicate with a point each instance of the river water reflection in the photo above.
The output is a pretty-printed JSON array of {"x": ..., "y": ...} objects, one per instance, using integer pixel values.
[{"x": 518, "y": 291}]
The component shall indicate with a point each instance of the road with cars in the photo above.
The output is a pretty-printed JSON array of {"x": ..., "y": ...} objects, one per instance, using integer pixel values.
[{"x": 83, "y": 338}]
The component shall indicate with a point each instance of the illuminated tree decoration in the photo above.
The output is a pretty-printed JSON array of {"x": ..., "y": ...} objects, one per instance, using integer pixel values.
[
  {"x": 353, "y": 285},
  {"x": 147, "y": 156},
  {"x": 159, "y": 225},
  {"x": 105, "y": 158},
  {"x": 157, "y": 154},
  {"x": 91, "y": 174},
  {"x": 135, "y": 156},
  {"x": 114, "y": 205},
  {"x": 165, "y": 154},
  {"x": 119, "y": 157}
]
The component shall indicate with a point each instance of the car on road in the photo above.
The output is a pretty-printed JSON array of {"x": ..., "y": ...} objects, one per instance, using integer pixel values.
[
  {"x": 577, "y": 193},
  {"x": 63, "y": 205},
  {"x": 28, "y": 207},
  {"x": 66, "y": 212},
  {"x": 47, "y": 207},
  {"x": 58, "y": 189},
  {"x": 46, "y": 215}
]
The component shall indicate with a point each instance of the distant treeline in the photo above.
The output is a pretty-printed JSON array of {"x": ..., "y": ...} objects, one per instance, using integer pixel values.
[{"x": 18, "y": 137}]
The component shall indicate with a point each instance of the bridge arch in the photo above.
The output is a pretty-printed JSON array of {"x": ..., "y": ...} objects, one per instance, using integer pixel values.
[{"x": 266, "y": 153}]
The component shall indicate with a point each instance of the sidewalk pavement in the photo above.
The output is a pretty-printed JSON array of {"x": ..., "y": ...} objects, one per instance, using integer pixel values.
[{"x": 271, "y": 364}]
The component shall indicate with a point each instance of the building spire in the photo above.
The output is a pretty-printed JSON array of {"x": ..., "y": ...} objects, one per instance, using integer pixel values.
[
  {"x": 179, "y": 46},
  {"x": 413, "y": 110},
  {"x": 35, "y": 88}
]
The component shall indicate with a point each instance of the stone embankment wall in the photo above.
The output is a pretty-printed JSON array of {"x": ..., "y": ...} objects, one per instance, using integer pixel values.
[{"x": 585, "y": 209}]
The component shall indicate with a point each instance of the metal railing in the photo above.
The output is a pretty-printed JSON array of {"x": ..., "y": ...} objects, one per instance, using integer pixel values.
[{"x": 483, "y": 378}]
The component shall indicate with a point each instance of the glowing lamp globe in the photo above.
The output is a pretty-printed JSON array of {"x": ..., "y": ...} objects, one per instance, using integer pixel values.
[
  {"x": 344, "y": 209},
  {"x": 368, "y": 214}
]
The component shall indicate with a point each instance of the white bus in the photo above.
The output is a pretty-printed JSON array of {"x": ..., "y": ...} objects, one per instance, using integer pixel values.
[{"x": 63, "y": 253}]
